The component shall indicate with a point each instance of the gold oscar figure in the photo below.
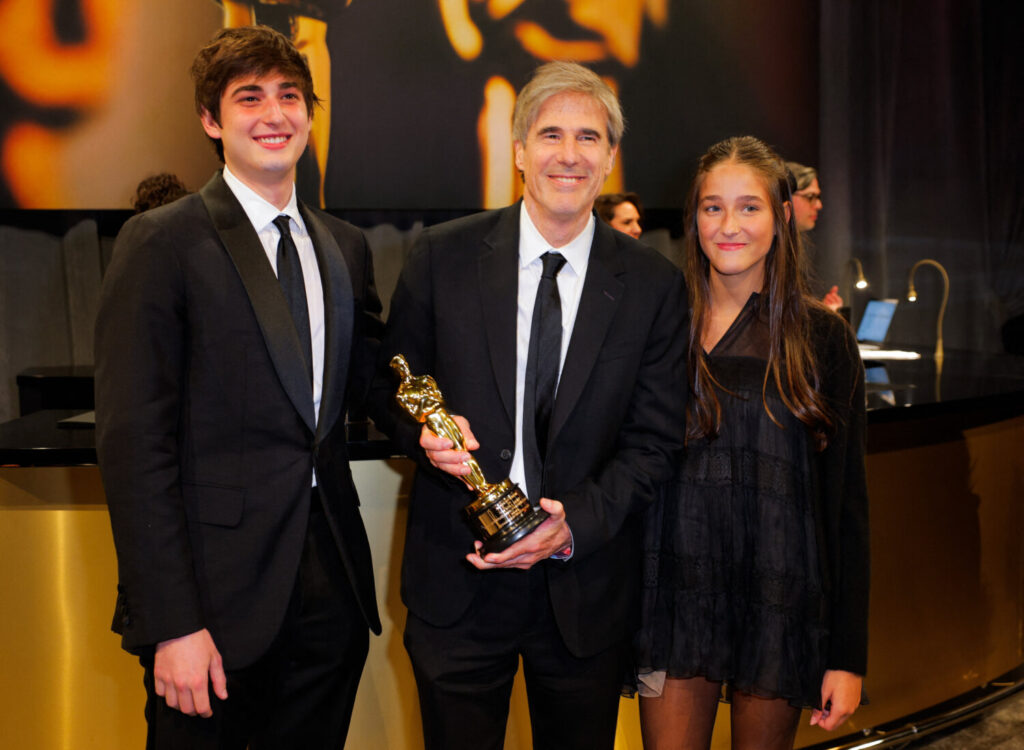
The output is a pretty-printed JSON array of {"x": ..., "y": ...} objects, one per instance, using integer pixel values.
[{"x": 501, "y": 514}]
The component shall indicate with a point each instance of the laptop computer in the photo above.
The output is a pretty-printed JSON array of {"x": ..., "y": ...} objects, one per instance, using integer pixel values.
[{"x": 874, "y": 324}]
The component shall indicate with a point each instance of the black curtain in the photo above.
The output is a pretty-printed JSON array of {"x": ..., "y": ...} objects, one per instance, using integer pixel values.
[{"x": 922, "y": 116}]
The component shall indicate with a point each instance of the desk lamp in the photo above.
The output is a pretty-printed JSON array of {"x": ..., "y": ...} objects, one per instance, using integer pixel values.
[{"x": 912, "y": 297}]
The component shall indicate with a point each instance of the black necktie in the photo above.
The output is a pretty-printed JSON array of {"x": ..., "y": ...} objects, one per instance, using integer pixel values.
[
  {"x": 289, "y": 273},
  {"x": 542, "y": 373}
]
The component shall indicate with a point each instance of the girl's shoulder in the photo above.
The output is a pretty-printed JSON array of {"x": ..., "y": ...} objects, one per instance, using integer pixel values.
[
  {"x": 829, "y": 329},
  {"x": 835, "y": 348}
]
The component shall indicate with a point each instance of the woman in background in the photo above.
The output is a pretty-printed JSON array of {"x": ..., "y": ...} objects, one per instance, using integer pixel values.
[
  {"x": 622, "y": 211},
  {"x": 756, "y": 564}
]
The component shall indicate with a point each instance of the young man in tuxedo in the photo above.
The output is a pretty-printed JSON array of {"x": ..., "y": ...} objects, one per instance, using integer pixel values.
[
  {"x": 235, "y": 326},
  {"x": 560, "y": 344}
]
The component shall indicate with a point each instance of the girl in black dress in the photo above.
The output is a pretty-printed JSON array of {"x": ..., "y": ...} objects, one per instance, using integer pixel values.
[{"x": 756, "y": 564}]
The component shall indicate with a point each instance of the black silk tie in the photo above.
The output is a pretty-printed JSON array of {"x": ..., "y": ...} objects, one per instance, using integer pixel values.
[
  {"x": 289, "y": 274},
  {"x": 542, "y": 373}
]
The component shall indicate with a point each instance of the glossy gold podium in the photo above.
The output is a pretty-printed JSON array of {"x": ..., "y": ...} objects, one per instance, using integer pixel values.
[{"x": 946, "y": 482}]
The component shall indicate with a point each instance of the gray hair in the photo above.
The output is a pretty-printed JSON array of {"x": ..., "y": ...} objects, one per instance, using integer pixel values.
[
  {"x": 803, "y": 176},
  {"x": 561, "y": 77}
]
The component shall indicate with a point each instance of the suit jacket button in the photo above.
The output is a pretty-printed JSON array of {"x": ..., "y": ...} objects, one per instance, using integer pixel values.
[{"x": 505, "y": 454}]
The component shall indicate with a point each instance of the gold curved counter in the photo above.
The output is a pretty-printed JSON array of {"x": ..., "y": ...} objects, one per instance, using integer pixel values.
[{"x": 946, "y": 483}]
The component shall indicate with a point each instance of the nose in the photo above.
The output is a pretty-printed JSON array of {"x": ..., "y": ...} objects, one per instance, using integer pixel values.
[
  {"x": 730, "y": 223},
  {"x": 272, "y": 110},
  {"x": 568, "y": 154}
]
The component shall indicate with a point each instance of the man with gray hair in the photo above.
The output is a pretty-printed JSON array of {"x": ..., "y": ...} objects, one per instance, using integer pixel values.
[{"x": 560, "y": 346}]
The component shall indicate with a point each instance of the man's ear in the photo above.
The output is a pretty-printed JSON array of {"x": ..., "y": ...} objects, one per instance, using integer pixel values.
[
  {"x": 517, "y": 150},
  {"x": 611, "y": 160},
  {"x": 210, "y": 124}
]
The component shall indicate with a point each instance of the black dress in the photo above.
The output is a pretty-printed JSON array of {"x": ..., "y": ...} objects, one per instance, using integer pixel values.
[{"x": 738, "y": 584}]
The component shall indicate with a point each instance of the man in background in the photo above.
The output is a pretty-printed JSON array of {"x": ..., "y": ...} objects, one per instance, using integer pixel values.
[{"x": 806, "y": 205}]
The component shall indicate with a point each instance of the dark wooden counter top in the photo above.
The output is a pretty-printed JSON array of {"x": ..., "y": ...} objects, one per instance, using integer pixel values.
[
  {"x": 907, "y": 405},
  {"x": 53, "y": 437}
]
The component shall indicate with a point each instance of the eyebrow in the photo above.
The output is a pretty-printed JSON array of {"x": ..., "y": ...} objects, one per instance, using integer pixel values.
[
  {"x": 249, "y": 87},
  {"x": 581, "y": 131},
  {"x": 757, "y": 198},
  {"x": 257, "y": 87}
]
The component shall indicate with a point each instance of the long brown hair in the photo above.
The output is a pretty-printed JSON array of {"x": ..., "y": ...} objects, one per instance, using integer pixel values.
[{"x": 785, "y": 299}]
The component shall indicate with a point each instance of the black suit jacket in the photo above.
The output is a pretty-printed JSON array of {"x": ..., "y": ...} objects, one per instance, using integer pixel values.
[
  {"x": 617, "y": 424},
  {"x": 205, "y": 427}
]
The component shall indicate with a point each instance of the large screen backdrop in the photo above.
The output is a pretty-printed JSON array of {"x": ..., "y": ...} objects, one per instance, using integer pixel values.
[{"x": 418, "y": 93}]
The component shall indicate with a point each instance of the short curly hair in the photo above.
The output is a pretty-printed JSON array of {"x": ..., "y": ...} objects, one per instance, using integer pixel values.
[{"x": 157, "y": 190}]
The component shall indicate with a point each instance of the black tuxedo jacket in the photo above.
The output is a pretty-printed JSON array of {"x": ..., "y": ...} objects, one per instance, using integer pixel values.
[
  {"x": 617, "y": 425},
  {"x": 205, "y": 428}
]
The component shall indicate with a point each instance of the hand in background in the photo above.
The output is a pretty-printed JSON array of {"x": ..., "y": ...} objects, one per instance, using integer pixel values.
[{"x": 832, "y": 300}]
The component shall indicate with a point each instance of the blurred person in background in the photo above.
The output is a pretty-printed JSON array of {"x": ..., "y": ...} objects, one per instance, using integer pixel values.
[
  {"x": 623, "y": 211},
  {"x": 157, "y": 190},
  {"x": 806, "y": 205}
]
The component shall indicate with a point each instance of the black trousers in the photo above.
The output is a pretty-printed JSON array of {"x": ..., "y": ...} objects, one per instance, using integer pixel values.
[
  {"x": 464, "y": 673},
  {"x": 301, "y": 692}
]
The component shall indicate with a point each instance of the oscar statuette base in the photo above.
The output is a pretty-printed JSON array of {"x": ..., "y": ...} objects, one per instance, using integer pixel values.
[{"x": 502, "y": 515}]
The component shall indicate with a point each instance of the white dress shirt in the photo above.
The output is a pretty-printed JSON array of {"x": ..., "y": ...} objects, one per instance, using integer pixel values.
[
  {"x": 261, "y": 214},
  {"x": 570, "y": 283}
]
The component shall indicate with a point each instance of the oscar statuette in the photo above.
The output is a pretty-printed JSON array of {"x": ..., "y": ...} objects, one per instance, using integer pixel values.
[{"x": 501, "y": 514}]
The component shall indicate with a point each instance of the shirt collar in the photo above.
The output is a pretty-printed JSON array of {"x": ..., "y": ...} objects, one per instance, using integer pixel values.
[
  {"x": 260, "y": 211},
  {"x": 532, "y": 244}
]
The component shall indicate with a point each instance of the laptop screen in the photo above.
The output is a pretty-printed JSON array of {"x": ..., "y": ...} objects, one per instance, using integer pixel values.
[{"x": 874, "y": 324}]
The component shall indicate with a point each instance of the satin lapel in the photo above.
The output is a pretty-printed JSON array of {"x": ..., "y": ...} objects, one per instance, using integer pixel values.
[
  {"x": 265, "y": 295},
  {"x": 499, "y": 285},
  {"x": 599, "y": 301},
  {"x": 338, "y": 320}
]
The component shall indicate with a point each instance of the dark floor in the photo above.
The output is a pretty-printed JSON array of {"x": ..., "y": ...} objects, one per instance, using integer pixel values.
[{"x": 1000, "y": 729}]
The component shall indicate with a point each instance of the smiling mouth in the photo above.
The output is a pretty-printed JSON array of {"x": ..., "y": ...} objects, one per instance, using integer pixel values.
[
  {"x": 568, "y": 180},
  {"x": 730, "y": 246},
  {"x": 272, "y": 140}
]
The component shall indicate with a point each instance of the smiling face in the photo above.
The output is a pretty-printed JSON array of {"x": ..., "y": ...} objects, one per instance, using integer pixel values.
[
  {"x": 564, "y": 160},
  {"x": 264, "y": 126},
  {"x": 735, "y": 225},
  {"x": 806, "y": 204},
  {"x": 627, "y": 220}
]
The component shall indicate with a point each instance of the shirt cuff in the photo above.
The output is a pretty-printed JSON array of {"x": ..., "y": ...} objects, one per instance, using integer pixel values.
[{"x": 566, "y": 552}]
